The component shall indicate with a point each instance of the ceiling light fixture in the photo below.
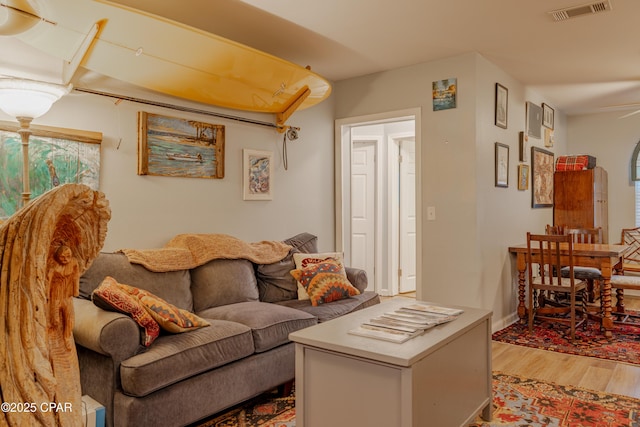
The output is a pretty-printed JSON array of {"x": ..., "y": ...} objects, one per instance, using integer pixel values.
[{"x": 26, "y": 100}]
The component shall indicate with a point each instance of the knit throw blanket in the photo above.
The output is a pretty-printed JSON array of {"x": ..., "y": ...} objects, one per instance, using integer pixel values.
[{"x": 186, "y": 251}]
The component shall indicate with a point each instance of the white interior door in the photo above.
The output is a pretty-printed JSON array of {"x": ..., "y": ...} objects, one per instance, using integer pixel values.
[
  {"x": 407, "y": 215},
  {"x": 363, "y": 224}
]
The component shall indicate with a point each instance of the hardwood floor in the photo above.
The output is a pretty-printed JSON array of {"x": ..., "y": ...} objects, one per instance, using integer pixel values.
[{"x": 566, "y": 369}]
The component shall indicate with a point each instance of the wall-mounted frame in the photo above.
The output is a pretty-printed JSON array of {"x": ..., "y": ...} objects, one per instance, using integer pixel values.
[
  {"x": 445, "y": 94},
  {"x": 169, "y": 146},
  {"x": 523, "y": 144},
  {"x": 533, "y": 120},
  {"x": 523, "y": 177},
  {"x": 257, "y": 175},
  {"x": 542, "y": 164},
  {"x": 502, "y": 104},
  {"x": 548, "y": 116},
  {"x": 502, "y": 165}
]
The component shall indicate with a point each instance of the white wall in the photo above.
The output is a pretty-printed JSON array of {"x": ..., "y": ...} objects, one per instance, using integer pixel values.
[
  {"x": 465, "y": 251},
  {"x": 611, "y": 140},
  {"x": 148, "y": 210}
]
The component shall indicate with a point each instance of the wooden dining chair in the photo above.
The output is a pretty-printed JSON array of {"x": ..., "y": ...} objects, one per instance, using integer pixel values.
[
  {"x": 544, "y": 250},
  {"x": 630, "y": 264},
  {"x": 554, "y": 229},
  {"x": 590, "y": 274}
]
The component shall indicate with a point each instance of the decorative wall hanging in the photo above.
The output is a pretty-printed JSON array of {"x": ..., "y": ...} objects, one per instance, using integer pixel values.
[
  {"x": 54, "y": 160},
  {"x": 169, "y": 146},
  {"x": 502, "y": 103},
  {"x": 548, "y": 137},
  {"x": 548, "y": 115},
  {"x": 502, "y": 165},
  {"x": 541, "y": 178},
  {"x": 445, "y": 94},
  {"x": 523, "y": 177},
  {"x": 257, "y": 177},
  {"x": 534, "y": 120},
  {"x": 523, "y": 143}
]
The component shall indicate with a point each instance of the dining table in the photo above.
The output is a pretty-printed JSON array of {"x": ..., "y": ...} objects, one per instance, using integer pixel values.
[{"x": 605, "y": 257}]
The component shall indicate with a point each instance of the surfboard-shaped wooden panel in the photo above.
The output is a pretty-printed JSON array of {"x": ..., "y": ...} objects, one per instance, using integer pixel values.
[{"x": 172, "y": 58}]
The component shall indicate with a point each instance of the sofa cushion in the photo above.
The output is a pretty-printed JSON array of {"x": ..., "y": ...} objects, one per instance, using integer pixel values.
[
  {"x": 173, "y": 286},
  {"x": 270, "y": 323},
  {"x": 173, "y": 358},
  {"x": 221, "y": 282},
  {"x": 325, "y": 312},
  {"x": 169, "y": 317},
  {"x": 274, "y": 281},
  {"x": 303, "y": 242},
  {"x": 304, "y": 260},
  {"x": 109, "y": 296}
]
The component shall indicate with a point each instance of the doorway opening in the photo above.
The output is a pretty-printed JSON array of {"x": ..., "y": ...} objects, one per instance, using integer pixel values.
[{"x": 377, "y": 198}]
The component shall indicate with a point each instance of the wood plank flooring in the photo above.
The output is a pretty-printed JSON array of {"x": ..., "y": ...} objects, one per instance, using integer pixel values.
[{"x": 566, "y": 369}]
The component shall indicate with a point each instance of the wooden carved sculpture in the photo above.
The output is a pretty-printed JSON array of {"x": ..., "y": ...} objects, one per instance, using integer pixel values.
[{"x": 44, "y": 248}]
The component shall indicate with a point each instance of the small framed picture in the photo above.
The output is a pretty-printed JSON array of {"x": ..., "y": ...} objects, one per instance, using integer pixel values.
[
  {"x": 523, "y": 177},
  {"x": 534, "y": 120},
  {"x": 502, "y": 165},
  {"x": 257, "y": 178},
  {"x": 523, "y": 143},
  {"x": 502, "y": 103},
  {"x": 547, "y": 116}
]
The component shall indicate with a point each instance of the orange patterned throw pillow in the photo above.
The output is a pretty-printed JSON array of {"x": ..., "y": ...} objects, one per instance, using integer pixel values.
[
  {"x": 325, "y": 282},
  {"x": 109, "y": 296},
  {"x": 169, "y": 317}
]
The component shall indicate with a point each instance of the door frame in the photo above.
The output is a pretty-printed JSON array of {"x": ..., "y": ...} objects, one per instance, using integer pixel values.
[
  {"x": 342, "y": 139},
  {"x": 393, "y": 142}
]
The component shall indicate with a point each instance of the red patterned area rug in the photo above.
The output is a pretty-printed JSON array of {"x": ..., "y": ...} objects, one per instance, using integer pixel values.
[
  {"x": 525, "y": 402},
  {"x": 266, "y": 410},
  {"x": 624, "y": 346},
  {"x": 517, "y": 401}
]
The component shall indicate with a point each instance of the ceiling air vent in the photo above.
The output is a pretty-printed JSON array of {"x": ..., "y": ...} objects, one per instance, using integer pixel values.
[{"x": 585, "y": 9}]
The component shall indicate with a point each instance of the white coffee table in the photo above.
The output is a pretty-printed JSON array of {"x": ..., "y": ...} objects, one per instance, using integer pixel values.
[{"x": 440, "y": 379}]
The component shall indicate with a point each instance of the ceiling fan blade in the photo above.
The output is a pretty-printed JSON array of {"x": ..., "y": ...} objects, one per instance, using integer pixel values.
[{"x": 633, "y": 113}]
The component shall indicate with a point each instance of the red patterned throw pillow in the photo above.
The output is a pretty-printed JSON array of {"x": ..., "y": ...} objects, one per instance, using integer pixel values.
[
  {"x": 169, "y": 317},
  {"x": 325, "y": 282},
  {"x": 109, "y": 296}
]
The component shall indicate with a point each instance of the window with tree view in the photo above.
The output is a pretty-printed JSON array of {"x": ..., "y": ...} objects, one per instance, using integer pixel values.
[{"x": 55, "y": 158}]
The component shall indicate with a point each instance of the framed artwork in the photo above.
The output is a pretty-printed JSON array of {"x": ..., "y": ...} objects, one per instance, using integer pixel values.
[
  {"x": 55, "y": 158},
  {"x": 542, "y": 164},
  {"x": 547, "y": 116},
  {"x": 523, "y": 143},
  {"x": 445, "y": 94},
  {"x": 169, "y": 146},
  {"x": 502, "y": 100},
  {"x": 502, "y": 165},
  {"x": 523, "y": 177},
  {"x": 257, "y": 177},
  {"x": 534, "y": 120}
]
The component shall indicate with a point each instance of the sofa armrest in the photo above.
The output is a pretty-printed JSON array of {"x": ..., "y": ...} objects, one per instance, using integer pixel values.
[
  {"x": 357, "y": 277},
  {"x": 106, "y": 332}
]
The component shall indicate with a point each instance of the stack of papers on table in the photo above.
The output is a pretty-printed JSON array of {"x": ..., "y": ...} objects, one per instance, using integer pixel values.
[{"x": 406, "y": 322}]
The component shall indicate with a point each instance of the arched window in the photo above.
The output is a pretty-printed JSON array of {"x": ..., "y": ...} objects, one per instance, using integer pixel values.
[
  {"x": 635, "y": 177},
  {"x": 635, "y": 166}
]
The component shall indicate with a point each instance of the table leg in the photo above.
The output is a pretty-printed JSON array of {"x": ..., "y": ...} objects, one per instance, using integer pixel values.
[
  {"x": 522, "y": 266},
  {"x": 607, "y": 318}
]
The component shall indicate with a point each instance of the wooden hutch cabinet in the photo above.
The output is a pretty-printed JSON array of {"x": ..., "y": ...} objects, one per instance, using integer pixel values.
[{"x": 580, "y": 200}]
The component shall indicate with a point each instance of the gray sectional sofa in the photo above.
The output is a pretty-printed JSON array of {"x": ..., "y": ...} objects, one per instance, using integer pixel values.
[{"x": 182, "y": 378}]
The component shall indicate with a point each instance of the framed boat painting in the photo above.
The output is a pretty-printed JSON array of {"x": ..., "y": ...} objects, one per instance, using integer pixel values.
[{"x": 169, "y": 146}]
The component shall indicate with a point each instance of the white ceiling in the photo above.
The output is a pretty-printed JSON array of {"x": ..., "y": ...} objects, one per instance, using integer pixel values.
[{"x": 584, "y": 64}]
